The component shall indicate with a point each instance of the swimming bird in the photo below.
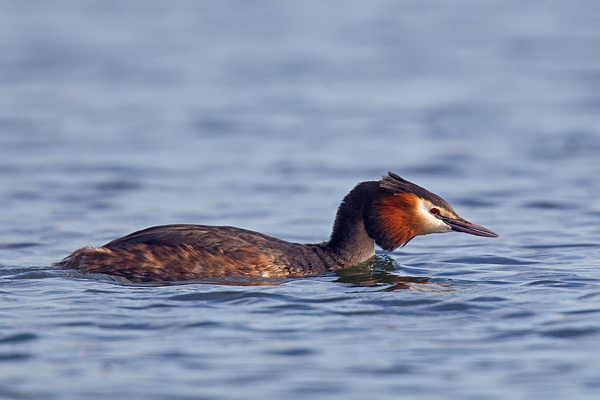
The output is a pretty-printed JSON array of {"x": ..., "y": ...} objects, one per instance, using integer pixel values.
[{"x": 389, "y": 212}]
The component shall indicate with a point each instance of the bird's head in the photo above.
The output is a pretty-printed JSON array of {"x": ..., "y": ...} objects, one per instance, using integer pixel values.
[{"x": 403, "y": 210}]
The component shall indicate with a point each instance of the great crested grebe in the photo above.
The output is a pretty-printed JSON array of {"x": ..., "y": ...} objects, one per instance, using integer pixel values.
[{"x": 389, "y": 212}]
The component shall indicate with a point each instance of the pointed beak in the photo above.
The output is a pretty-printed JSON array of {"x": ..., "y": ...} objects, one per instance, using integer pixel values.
[{"x": 470, "y": 228}]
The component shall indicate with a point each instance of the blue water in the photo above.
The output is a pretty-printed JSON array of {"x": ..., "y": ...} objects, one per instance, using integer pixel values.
[{"x": 116, "y": 116}]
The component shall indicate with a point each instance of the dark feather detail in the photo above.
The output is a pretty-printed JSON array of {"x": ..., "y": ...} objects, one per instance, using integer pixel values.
[{"x": 396, "y": 184}]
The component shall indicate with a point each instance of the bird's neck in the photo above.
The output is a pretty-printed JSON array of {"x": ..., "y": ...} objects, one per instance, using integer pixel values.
[{"x": 349, "y": 243}]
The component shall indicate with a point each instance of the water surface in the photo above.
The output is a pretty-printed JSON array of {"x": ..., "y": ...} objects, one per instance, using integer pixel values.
[{"x": 118, "y": 116}]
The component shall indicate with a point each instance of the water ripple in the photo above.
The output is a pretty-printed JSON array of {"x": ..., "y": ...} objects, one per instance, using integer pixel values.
[
  {"x": 18, "y": 338},
  {"x": 293, "y": 352},
  {"x": 12, "y": 357},
  {"x": 228, "y": 296},
  {"x": 556, "y": 283},
  {"x": 497, "y": 260},
  {"x": 568, "y": 333},
  {"x": 18, "y": 245},
  {"x": 489, "y": 299},
  {"x": 457, "y": 306},
  {"x": 560, "y": 246}
]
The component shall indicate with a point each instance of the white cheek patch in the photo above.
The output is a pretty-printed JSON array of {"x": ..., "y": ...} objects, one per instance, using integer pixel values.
[{"x": 429, "y": 222}]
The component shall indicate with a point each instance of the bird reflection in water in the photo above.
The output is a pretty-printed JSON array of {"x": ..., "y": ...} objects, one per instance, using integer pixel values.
[{"x": 376, "y": 273}]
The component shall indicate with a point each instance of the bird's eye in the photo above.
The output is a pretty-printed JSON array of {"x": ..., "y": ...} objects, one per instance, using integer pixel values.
[{"x": 434, "y": 211}]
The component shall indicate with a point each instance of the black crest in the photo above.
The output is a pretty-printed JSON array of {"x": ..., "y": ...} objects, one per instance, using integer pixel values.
[{"x": 396, "y": 184}]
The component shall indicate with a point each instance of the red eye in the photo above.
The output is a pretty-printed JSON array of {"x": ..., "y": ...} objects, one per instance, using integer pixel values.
[{"x": 434, "y": 211}]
